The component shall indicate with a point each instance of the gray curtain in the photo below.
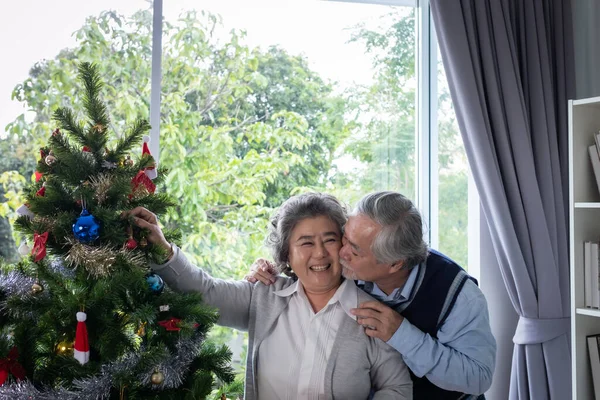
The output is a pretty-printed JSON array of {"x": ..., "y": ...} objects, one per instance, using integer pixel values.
[{"x": 510, "y": 69}]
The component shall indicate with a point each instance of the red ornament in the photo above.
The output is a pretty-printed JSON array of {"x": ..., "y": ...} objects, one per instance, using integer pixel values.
[
  {"x": 86, "y": 149},
  {"x": 56, "y": 132},
  {"x": 41, "y": 192},
  {"x": 131, "y": 244},
  {"x": 42, "y": 154},
  {"x": 39, "y": 246},
  {"x": 38, "y": 176},
  {"x": 11, "y": 365},
  {"x": 142, "y": 179},
  {"x": 170, "y": 324}
]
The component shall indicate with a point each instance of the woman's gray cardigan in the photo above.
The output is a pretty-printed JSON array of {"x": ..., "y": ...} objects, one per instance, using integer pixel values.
[{"x": 356, "y": 363}]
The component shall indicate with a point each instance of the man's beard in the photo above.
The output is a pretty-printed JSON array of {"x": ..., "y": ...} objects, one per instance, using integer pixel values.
[{"x": 347, "y": 272}]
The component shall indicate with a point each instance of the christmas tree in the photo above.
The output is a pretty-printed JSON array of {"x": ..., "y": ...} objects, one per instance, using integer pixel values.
[{"x": 82, "y": 316}]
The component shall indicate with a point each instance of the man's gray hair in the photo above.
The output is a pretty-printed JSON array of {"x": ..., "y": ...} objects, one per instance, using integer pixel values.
[
  {"x": 401, "y": 236},
  {"x": 294, "y": 210}
]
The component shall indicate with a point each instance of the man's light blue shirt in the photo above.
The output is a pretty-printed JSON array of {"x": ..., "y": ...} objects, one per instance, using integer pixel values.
[{"x": 463, "y": 356}]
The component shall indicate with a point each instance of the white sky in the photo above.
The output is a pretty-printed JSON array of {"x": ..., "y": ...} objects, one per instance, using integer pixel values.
[{"x": 33, "y": 30}]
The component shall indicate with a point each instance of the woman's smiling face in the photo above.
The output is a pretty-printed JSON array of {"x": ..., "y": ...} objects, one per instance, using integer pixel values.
[{"x": 314, "y": 254}]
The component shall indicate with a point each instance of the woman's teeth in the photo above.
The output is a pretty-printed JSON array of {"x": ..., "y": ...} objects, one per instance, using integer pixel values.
[{"x": 320, "y": 268}]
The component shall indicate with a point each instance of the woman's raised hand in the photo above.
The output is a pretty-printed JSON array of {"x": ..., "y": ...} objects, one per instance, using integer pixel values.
[{"x": 147, "y": 220}]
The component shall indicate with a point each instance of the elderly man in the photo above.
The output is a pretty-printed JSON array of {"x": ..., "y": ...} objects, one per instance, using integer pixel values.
[{"x": 430, "y": 310}]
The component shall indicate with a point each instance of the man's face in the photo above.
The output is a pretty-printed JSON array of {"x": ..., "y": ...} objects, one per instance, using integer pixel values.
[{"x": 356, "y": 257}]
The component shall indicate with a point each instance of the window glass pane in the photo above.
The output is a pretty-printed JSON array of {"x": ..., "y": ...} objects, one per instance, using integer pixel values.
[
  {"x": 267, "y": 98},
  {"x": 453, "y": 170}
]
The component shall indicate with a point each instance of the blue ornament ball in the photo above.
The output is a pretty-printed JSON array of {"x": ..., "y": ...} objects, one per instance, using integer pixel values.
[
  {"x": 87, "y": 228},
  {"x": 155, "y": 283}
]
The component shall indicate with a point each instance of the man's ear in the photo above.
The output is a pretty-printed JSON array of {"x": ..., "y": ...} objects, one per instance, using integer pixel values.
[{"x": 397, "y": 266}]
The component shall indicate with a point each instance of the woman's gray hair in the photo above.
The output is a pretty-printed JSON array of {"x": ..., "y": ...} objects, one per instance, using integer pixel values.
[
  {"x": 401, "y": 236},
  {"x": 294, "y": 210}
]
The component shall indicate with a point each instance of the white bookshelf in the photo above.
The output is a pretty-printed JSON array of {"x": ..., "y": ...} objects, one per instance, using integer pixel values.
[{"x": 584, "y": 209}]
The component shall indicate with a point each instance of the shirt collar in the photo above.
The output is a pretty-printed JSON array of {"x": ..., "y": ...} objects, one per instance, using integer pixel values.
[
  {"x": 398, "y": 294},
  {"x": 345, "y": 295}
]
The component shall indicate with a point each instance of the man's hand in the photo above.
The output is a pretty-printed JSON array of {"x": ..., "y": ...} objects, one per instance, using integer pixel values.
[
  {"x": 379, "y": 320},
  {"x": 262, "y": 270}
]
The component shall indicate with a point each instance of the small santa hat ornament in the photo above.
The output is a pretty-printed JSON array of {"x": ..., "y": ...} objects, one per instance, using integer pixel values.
[
  {"x": 81, "y": 346},
  {"x": 151, "y": 170}
]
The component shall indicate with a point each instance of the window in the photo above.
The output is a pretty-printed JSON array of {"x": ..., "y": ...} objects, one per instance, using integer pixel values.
[{"x": 259, "y": 100}]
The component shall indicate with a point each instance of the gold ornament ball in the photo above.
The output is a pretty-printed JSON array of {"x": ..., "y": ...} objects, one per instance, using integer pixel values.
[
  {"x": 157, "y": 378},
  {"x": 37, "y": 288},
  {"x": 143, "y": 242},
  {"x": 64, "y": 348},
  {"x": 128, "y": 162}
]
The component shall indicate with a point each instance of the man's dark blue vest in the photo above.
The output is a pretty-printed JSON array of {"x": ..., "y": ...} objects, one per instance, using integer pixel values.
[{"x": 432, "y": 300}]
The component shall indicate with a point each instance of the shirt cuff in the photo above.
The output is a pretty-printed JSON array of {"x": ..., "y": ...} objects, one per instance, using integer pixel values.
[
  {"x": 159, "y": 267},
  {"x": 406, "y": 338}
]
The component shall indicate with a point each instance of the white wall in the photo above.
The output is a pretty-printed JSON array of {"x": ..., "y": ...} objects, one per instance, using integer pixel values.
[
  {"x": 503, "y": 317},
  {"x": 586, "y": 26}
]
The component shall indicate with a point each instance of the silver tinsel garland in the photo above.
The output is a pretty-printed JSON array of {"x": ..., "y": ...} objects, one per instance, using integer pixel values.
[{"x": 98, "y": 386}]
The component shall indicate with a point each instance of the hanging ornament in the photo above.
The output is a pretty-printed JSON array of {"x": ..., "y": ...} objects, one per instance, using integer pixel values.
[
  {"x": 41, "y": 192},
  {"x": 131, "y": 243},
  {"x": 164, "y": 307},
  {"x": 56, "y": 132},
  {"x": 42, "y": 154},
  {"x": 98, "y": 128},
  {"x": 143, "y": 242},
  {"x": 150, "y": 170},
  {"x": 155, "y": 283},
  {"x": 39, "y": 246},
  {"x": 171, "y": 324},
  {"x": 86, "y": 149},
  {"x": 37, "y": 288},
  {"x": 64, "y": 348},
  {"x": 81, "y": 347},
  {"x": 128, "y": 162},
  {"x": 157, "y": 378},
  {"x": 12, "y": 366},
  {"x": 142, "y": 180},
  {"x": 141, "y": 329},
  {"x": 24, "y": 249},
  {"x": 38, "y": 176},
  {"x": 50, "y": 159},
  {"x": 87, "y": 228},
  {"x": 24, "y": 211}
]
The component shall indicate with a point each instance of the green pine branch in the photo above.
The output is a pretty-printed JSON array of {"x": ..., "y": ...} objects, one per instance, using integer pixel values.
[
  {"x": 131, "y": 139},
  {"x": 95, "y": 107},
  {"x": 67, "y": 122}
]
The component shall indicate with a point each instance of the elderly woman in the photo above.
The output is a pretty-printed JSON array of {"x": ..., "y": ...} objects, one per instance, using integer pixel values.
[{"x": 303, "y": 341}]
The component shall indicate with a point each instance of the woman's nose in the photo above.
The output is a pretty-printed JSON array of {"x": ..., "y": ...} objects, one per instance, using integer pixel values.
[{"x": 321, "y": 250}]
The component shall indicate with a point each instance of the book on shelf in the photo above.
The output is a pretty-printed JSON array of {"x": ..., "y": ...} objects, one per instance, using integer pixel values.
[
  {"x": 593, "y": 151},
  {"x": 587, "y": 273},
  {"x": 594, "y": 353},
  {"x": 591, "y": 274}
]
